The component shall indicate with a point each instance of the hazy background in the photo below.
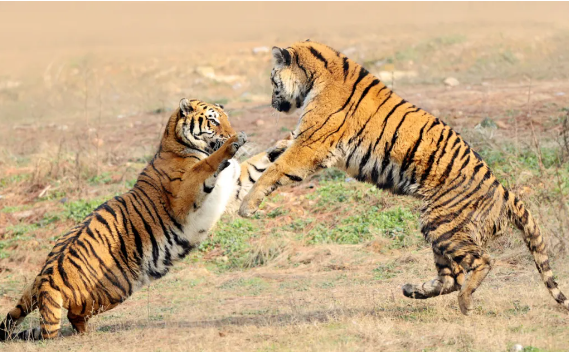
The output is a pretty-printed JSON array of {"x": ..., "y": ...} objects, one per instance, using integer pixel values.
[{"x": 86, "y": 90}]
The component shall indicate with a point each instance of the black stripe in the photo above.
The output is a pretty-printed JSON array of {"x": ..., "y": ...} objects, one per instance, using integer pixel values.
[
  {"x": 155, "y": 250},
  {"x": 119, "y": 266},
  {"x": 454, "y": 201},
  {"x": 162, "y": 225},
  {"x": 257, "y": 169},
  {"x": 374, "y": 174},
  {"x": 106, "y": 271},
  {"x": 384, "y": 124},
  {"x": 363, "y": 162},
  {"x": 431, "y": 159},
  {"x": 299, "y": 66},
  {"x": 294, "y": 177},
  {"x": 409, "y": 157},
  {"x": 387, "y": 154},
  {"x": 362, "y": 74},
  {"x": 137, "y": 238},
  {"x": 346, "y": 66},
  {"x": 364, "y": 93},
  {"x": 319, "y": 56},
  {"x": 250, "y": 177},
  {"x": 448, "y": 169}
]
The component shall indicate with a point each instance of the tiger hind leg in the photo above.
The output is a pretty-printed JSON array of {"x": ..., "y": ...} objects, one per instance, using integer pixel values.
[
  {"x": 478, "y": 264},
  {"x": 79, "y": 322},
  {"x": 449, "y": 279},
  {"x": 50, "y": 303},
  {"x": 471, "y": 258}
]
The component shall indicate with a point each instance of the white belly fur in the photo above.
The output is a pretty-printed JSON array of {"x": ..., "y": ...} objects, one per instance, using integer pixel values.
[{"x": 198, "y": 223}]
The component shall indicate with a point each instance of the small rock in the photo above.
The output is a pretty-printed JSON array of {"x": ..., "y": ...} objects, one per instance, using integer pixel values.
[
  {"x": 23, "y": 214},
  {"x": 388, "y": 76},
  {"x": 349, "y": 51},
  {"x": 62, "y": 128},
  {"x": 227, "y": 79},
  {"x": 559, "y": 94},
  {"x": 502, "y": 125},
  {"x": 206, "y": 71},
  {"x": 451, "y": 82},
  {"x": 9, "y": 85},
  {"x": 237, "y": 86},
  {"x": 517, "y": 348},
  {"x": 222, "y": 334},
  {"x": 259, "y": 122},
  {"x": 261, "y": 50},
  {"x": 379, "y": 63}
]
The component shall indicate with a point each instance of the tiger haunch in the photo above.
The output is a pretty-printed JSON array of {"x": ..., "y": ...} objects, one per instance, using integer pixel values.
[{"x": 352, "y": 121}]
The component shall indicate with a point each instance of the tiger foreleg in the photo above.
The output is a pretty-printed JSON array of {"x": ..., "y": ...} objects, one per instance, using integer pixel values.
[
  {"x": 294, "y": 165},
  {"x": 194, "y": 190}
]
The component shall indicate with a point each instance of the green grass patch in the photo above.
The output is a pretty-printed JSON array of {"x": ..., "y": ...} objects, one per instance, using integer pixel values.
[
  {"x": 6, "y": 181},
  {"x": 16, "y": 208},
  {"x": 395, "y": 224},
  {"x": 79, "y": 209},
  {"x": 101, "y": 179},
  {"x": 386, "y": 271},
  {"x": 232, "y": 237}
]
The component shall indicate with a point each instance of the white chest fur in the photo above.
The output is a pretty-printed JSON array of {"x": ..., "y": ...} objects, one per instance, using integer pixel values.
[{"x": 200, "y": 221}]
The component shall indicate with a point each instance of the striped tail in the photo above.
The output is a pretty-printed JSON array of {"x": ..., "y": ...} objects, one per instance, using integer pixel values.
[
  {"x": 536, "y": 244},
  {"x": 25, "y": 306}
]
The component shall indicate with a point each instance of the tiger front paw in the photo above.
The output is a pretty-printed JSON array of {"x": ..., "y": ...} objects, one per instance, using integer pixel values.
[
  {"x": 275, "y": 151},
  {"x": 235, "y": 142},
  {"x": 248, "y": 208}
]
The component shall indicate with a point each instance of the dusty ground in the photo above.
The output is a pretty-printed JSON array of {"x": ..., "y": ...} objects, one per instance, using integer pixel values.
[{"x": 85, "y": 90}]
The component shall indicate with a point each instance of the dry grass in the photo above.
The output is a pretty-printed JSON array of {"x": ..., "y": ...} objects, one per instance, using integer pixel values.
[{"x": 317, "y": 269}]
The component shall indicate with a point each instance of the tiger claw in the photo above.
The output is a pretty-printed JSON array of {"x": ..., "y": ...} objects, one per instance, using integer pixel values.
[{"x": 245, "y": 211}]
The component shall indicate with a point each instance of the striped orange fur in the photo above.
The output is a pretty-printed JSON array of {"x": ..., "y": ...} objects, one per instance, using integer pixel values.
[
  {"x": 352, "y": 121},
  {"x": 136, "y": 237}
]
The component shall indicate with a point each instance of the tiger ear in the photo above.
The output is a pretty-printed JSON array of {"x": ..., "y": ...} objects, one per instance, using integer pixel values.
[
  {"x": 185, "y": 107},
  {"x": 281, "y": 57}
]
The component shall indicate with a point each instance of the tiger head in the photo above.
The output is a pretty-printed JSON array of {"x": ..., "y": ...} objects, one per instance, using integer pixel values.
[
  {"x": 295, "y": 72},
  {"x": 197, "y": 126}
]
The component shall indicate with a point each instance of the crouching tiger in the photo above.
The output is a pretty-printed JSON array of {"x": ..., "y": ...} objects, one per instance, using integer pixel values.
[
  {"x": 136, "y": 237},
  {"x": 352, "y": 121}
]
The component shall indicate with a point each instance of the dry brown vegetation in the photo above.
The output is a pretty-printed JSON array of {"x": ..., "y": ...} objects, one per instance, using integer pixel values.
[{"x": 83, "y": 107}]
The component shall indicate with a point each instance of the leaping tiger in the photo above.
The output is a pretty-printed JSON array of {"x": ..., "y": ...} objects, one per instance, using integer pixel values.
[
  {"x": 136, "y": 237},
  {"x": 352, "y": 121}
]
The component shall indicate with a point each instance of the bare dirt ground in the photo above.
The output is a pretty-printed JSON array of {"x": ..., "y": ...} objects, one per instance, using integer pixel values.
[{"x": 85, "y": 90}]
